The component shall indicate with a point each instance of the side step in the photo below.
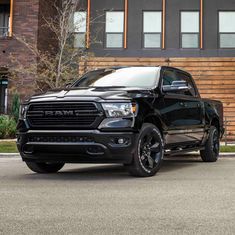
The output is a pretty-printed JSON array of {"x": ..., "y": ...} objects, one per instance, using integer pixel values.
[{"x": 182, "y": 150}]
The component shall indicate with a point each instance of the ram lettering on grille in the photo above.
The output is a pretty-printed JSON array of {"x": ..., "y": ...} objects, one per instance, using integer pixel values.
[{"x": 61, "y": 113}]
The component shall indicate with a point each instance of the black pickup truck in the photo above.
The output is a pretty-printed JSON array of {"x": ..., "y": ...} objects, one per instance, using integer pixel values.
[{"x": 129, "y": 115}]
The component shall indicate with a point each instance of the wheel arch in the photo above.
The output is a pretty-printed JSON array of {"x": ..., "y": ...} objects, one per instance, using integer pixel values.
[
  {"x": 215, "y": 122},
  {"x": 155, "y": 120}
]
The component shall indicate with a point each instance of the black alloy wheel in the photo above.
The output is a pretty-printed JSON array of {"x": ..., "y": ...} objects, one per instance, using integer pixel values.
[
  {"x": 216, "y": 142},
  {"x": 212, "y": 146},
  {"x": 149, "y": 150},
  {"x": 149, "y": 153}
]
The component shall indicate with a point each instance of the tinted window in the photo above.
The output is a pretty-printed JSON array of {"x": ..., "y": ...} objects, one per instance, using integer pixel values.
[
  {"x": 170, "y": 75},
  {"x": 146, "y": 77},
  {"x": 185, "y": 77}
]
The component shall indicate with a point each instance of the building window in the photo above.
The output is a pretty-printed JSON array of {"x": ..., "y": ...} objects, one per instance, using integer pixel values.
[
  {"x": 190, "y": 29},
  {"x": 79, "y": 24},
  {"x": 152, "y": 29},
  {"x": 114, "y": 29},
  {"x": 3, "y": 90},
  {"x": 4, "y": 19},
  {"x": 227, "y": 29}
]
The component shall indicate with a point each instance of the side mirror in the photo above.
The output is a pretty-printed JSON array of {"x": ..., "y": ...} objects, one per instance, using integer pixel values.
[
  {"x": 176, "y": 86},
  {"x": 68, "y": 85}
]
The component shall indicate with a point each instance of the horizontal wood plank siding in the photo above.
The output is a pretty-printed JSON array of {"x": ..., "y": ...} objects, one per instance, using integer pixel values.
[{"x": 215, "y": 77}]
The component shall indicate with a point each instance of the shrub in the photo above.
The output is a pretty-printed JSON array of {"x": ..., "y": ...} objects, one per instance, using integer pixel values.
[
  {"x": 7, "y": 127},
  {"x": 15, "y": 107}
]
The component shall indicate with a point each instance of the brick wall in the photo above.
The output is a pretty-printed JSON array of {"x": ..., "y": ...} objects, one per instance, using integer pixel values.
[
  {"x": 25, "y": 24},
  {"x": 45, "y": 35}
]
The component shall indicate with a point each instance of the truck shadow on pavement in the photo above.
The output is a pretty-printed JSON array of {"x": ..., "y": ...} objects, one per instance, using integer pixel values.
[{"x": 111, "y": 172}]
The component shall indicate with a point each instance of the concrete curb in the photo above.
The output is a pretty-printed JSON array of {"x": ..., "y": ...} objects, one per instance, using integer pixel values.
[
  {"x": 2, "y": 155},
  {"x": 7, "y": 140},
  {"x": 228, "y": 154}
]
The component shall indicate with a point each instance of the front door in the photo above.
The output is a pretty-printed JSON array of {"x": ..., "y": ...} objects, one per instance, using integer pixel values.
[{"x": 183, "y": 110}]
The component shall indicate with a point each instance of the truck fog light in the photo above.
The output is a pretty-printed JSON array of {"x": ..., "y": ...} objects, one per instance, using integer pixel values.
[{"x": 121, "y": 141}]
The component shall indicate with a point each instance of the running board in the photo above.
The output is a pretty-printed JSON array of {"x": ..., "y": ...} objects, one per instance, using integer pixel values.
[{"x": 180, "y": 151}]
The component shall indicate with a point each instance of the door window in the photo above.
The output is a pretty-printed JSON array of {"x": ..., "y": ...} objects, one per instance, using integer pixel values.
[
  {"x": 170, "y": 76},
  {"x": 185, "y": 77}
]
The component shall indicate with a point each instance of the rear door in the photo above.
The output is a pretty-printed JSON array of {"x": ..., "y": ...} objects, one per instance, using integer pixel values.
[{"x": 183, "y": 110}]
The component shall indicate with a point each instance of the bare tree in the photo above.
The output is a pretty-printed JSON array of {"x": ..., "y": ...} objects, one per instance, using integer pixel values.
[{"x": 56, "y": 62}]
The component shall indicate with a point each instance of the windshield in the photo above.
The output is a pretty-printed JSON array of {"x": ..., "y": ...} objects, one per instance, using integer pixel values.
[{"x": 143, "y": 77}]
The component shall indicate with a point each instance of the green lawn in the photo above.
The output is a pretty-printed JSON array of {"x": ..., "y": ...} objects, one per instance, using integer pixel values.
[
  {"x": 10, "y": 147},
  {"x": 227, "y": 149}
]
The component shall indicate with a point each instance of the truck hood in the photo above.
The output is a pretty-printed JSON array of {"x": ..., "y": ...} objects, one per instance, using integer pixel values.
[{"x": 92, "y": 94}]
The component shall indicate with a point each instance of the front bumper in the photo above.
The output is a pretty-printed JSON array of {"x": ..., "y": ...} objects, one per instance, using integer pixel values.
[{"x": 77, "y": 146}]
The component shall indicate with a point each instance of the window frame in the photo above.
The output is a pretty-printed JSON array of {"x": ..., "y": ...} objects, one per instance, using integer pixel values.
[
  {"x": 219, "y": 33},
  {"x": 154, "y": 33},
  {"x": 80, "y": 33},
  {"x": 6, "y": 30},
  {"x": 189, "y": 33},
  {"x": 113, "y": 33},
  {"x": 4, "y": 72}
]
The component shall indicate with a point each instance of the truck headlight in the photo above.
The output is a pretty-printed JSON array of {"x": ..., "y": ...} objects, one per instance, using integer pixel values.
[
  {"x": 120, "y": 109},
  {"x": 23, "y": 111}
]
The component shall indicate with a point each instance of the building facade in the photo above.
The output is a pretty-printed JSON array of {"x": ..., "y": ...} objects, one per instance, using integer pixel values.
[
  {"x": 195, "y": 35},
  {"x": 16, "y": 18},
  {"x": 19, "y": 18},
  {"x": 164, "y": 28}
]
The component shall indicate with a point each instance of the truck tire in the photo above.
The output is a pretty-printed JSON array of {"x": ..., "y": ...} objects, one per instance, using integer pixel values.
[
  {"x": 211, "y": 151},
  {"x": 149, "y": 152},
  {"x": 44, "y": 168}
]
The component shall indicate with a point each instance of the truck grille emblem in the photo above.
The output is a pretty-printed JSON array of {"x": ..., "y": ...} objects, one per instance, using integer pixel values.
[{"x": 61, "y": 113}]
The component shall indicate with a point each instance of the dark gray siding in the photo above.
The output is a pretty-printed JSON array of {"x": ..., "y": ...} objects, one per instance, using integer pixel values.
[{"x": 173, "y": 8}]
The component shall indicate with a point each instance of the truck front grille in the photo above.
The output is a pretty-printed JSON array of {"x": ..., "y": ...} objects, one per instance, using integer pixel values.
[{"x": 64, "y": 115}]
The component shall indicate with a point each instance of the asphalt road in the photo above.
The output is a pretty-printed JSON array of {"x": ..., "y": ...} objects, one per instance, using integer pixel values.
[{"x": 185, "y": 197}]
